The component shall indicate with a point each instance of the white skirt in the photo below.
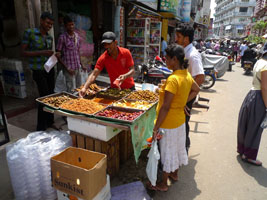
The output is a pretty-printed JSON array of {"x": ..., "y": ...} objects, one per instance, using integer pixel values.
[{"x": 172, "y": 149}]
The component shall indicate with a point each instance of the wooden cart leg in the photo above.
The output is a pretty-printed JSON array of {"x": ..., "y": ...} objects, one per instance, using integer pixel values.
[
  {"x": 74, "y": 138},
  {"x": 123, "y": 146}
]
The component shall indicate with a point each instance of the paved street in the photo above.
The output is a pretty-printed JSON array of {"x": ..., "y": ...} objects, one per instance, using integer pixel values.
[{"x": 215, "y": 172}]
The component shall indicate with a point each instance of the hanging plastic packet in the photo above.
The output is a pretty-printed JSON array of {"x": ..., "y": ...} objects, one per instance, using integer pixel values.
[
  {"x": 264, "y": 122},
  {"x": 117, "y": 83}
]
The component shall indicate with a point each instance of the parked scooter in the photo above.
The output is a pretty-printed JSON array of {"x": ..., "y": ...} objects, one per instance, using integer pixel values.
[
  {"x": 210, "y": 77},
  {"x": 153, "y": 72}
]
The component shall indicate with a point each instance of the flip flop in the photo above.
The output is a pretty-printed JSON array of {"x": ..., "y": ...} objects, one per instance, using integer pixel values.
[
  {"x": 252, "y": 162},
  {"x": 173, "y": 179},
  {"x": 162, "y": 189},
  {"x": 150, "y": 186}
]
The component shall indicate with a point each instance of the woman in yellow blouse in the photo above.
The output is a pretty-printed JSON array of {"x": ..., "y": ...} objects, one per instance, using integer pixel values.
[
  {"x": 252, "y": 113},
  {"x": 179, "y": 88}
]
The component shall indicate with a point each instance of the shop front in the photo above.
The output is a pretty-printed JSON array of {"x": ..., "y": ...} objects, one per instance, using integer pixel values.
[{"x": 143, "y": 35}]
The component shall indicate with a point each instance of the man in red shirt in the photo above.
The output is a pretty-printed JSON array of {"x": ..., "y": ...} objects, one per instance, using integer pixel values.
[{"x": 118, "y": 62}]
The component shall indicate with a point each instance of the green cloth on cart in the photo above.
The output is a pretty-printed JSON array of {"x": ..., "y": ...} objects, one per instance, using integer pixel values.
[{"x": 141, "y": 130}]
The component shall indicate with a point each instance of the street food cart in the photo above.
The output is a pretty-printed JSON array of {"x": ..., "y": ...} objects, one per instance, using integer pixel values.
[{"x": 118, "y": 128}]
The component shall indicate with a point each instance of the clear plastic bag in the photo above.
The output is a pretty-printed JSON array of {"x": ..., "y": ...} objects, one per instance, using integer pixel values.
[
  {"x": 60, "y": 85},
  {"x": 264, "y": 122},
  {"x": 152, "y": 164}
]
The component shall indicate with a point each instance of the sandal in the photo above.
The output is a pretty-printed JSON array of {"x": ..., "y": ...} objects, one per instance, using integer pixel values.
[
  {"x": 150, "y": 186},
  {"x": 250, "y": 161},
  {"x": 162, "y": 189},
  {"x": 173, "y": 178}
]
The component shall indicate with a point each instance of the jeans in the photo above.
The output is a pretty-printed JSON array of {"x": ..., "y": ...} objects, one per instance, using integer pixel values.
[{"x": 45, "y": 83}]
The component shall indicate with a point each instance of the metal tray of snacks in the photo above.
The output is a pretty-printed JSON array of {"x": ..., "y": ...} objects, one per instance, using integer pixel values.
[
  {"x": 122, "y": 115},
  {"x": 113, "y": 93},
  {"x": 54, "y": 101},
  {"x": 133, "y": 104},
  {"x": 82, "y": 106},
  {"x": 144, "y": 95},
  {"x": 104, "y": 101}
]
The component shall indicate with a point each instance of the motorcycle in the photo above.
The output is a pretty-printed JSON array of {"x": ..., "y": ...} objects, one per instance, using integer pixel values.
[
  {"x": 248, "y": 67},
  {"x": 210, "y": 77},
  {"x": 153, "y": 72}
]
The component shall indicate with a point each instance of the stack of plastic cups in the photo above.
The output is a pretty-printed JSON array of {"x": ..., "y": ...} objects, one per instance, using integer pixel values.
[
  {"x": 16, "y": 171},
  {"x": 32, "y": 172},
  {"x": 48, "y": 192},
  {"x": 29, "y": 164}
]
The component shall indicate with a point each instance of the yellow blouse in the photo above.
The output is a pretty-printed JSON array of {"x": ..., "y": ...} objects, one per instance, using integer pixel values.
[{"x": 178, "y": 83}]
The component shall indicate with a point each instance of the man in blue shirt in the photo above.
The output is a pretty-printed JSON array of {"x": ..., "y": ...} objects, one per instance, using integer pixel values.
[
  {"x": 37, "y": 46},
  {"x": 163, "y": 47}
]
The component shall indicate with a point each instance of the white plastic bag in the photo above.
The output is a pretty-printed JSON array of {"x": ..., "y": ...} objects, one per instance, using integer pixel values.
[
  {"x": 264, "y": 122},
  {"x": 50, "y": 63},
  {"x": 152, "y": 164},
  {"x": 83, "y": 76},
  {"x": 60, "y": 85}
]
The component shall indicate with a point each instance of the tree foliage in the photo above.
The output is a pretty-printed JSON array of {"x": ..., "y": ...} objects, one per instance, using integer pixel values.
[
  {"x": 260, "y": 25},
  {"x": 255, "y": 39}
]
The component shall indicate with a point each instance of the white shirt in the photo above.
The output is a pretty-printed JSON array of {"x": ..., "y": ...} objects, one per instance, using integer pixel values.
[
  {"x": 260, "y": 66},
  {"x": 243, "y": 48},
  {"x": 195, "y": 62}
]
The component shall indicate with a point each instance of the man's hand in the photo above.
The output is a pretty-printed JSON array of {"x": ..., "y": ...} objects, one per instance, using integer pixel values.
[
  {"x": 71, "y": 72},
  {"x": 84, "y": 68},
  {"x": 186, "y": 110},
  {"x": 121, "y": 79},
  {"x": 82, "y": 92},
  {"x": 58, "y": 55},
  {"x": 47, "y": 53}
]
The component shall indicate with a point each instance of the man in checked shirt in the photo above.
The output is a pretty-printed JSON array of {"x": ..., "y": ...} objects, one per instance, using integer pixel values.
[{"x": 68, "y": 45}]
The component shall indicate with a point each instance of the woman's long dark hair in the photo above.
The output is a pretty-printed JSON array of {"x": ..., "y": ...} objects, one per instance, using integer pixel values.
[{"x": 177, "y": 51}]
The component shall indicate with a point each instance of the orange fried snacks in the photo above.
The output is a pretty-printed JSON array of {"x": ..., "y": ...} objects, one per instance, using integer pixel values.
[{"x": 83, "y": 106}]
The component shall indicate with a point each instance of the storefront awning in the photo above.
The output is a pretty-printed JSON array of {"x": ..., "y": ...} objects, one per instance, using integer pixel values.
[
  {"x": 228, "y": 27},
  {"x": 146, "y": 11},
  {"x": 239, "y": 27}
]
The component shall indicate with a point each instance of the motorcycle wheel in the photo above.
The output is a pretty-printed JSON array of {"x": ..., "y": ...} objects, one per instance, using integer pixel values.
[
  {"x": 209, "y": 81},
  {"x": 247, "y": 71}
]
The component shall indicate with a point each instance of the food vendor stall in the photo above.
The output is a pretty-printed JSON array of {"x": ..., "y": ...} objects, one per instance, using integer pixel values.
[{"x": 111, "y": 121}]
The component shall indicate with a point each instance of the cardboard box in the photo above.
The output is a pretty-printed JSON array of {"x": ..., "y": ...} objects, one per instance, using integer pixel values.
[
  {"x": 13, "y": 77},
  {"x": 79, "y": 172},
  {"x": 104, "y": 194},
  {"x": 100, "y": 132},
  {"x": 18, "y": 91}
]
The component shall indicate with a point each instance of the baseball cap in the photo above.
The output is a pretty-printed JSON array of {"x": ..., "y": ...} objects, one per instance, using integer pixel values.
[{"x": 108, "y": 37}]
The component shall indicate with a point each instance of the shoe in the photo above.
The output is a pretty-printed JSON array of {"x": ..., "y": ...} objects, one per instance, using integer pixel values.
[{"x": 252, "y": 162}]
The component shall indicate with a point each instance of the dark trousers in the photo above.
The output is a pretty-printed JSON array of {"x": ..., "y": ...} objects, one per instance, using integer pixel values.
[
  {"x": 187, "y": 128},
  {"x": 2, "y": 42},
  {"x": 45, "y": 83},
  {"x": 242, "y": 61}
]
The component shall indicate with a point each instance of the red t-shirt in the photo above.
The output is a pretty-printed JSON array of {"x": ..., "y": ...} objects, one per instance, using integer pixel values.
[{"x": 117, "y": 67}]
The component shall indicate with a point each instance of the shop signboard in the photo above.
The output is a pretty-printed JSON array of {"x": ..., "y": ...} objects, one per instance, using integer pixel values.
[
  {"x": 150, "y": 3},
  {"x": 169, "y": 6},
  {"x": 186, "y": 11},
  {"x": 119, "y": 25}
]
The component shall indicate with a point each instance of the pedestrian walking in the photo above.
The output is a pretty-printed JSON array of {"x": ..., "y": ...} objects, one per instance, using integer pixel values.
[
  {"x": 37, "y": 46},
  {"x": 252, "y": 113},
  {"x": 179, "y": 88},
  {"x": 69, "y": 45},
  {"x": 184, "y": 37},
  {"x": 243, "y": 48}
]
